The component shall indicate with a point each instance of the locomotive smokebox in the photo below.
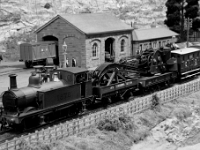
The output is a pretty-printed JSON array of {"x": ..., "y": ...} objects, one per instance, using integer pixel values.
[{"x": 13, "y": 81}]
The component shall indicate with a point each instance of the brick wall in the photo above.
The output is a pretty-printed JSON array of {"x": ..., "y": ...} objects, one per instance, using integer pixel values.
[
  {"x": 100, "y": 40},
  {"x": 74, "y": 38}
]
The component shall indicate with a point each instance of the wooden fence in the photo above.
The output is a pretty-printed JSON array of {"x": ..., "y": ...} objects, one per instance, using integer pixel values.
[{"x": 75, "y": 126}]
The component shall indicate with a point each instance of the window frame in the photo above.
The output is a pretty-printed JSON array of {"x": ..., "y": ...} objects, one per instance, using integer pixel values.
[
  {"x": 95, "y": 48},
  {"x": 122, "y": 46}
]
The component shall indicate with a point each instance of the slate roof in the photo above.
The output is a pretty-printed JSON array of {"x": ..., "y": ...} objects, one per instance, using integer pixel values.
[
  {"x": 93, "y": 23},
  {"x": 152, "y": 33},
  {"x": 185, "y": 50}
]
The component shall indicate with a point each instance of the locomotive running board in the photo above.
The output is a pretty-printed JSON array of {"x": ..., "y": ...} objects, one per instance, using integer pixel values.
[
  {"x": 190, "y": 75},
  {"x": 190, "y": 71}
]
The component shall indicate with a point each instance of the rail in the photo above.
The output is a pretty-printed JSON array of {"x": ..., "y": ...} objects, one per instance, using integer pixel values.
[{"x": 75, "y": 126}]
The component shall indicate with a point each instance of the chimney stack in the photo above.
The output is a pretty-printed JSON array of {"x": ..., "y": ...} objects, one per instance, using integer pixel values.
[{"x": 13, "y": 81}]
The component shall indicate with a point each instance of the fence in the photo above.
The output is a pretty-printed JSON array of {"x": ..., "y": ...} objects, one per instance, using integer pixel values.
[{"x": 75, "y": 126}]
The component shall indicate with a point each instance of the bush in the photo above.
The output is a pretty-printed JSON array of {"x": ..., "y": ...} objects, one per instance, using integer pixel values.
[
  {"x": 155, "y": 101},
  {"x": 36, "y": 146},
  {"x": 47, "y": 5},
  {"x": 14, "y": 17},
  {"x": 116, "y": 123},
  {"x": 182, "y": 113}
]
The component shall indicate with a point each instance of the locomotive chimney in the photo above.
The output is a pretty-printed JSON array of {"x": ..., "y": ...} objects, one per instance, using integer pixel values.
[{"x": 13, "y": 81}]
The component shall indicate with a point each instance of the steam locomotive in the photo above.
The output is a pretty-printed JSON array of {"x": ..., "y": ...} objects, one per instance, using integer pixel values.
[{"x": 55, "y": 93}]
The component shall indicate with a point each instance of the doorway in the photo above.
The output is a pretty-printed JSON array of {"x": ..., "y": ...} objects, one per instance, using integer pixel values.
[
  {"x": 53, "y": 38},
  {"x": 109, "y": 50}
]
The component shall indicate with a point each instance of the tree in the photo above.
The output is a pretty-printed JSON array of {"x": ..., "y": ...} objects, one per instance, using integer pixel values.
[
  {"x": 175, "y": 16},
  {"x": 192, "y": 11},
  {"x": 177, "y": 11}
]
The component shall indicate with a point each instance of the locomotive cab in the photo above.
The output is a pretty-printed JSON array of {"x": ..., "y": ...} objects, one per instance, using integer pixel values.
[{"x": 76, "y": 75}]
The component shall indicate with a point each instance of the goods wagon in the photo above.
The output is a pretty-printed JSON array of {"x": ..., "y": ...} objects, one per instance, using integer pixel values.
[{"x": 37, "y": 53}]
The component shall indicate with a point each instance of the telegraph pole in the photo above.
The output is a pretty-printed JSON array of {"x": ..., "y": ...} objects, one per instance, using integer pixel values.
[
  {"x": 187, "y": 27},
  {"x": 64, "y": 54}
]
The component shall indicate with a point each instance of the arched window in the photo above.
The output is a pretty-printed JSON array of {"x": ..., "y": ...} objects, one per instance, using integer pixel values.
[
  {"x": 122, "y": 45},
  {"x": 155, "y": 45},
  {"x": 163, "y": 43},
  {"x": 140, "y": 49},
  {"x": 150, "y": 45},
  {"x": 94, "y": 50},
  {"x": 160, "y": 44}
]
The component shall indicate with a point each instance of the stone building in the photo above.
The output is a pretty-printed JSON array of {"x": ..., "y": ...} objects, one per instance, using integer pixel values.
[
  {"x": 90, "y": 39},
  {"x": 155, "y": 38}
]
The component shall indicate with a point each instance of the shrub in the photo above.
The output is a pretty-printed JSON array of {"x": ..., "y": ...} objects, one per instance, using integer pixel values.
[
  {"x": 47, "y": 5},
  {"x": 182, "y": 113},
  {"x": 116, "y": 123},
  {"x": 155, "y": 101}
]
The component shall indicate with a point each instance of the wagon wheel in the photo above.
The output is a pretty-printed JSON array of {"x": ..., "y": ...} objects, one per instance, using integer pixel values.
[
  {"x": 44, "y": 62},
  {"x": 27, "y": 64},
  {"x": 128, "y": 95}
]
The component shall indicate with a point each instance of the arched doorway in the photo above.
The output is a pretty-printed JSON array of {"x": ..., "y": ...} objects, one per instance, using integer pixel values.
[
  {"x": 109, "y": 50},
  {"x": 53, "y": 38}
]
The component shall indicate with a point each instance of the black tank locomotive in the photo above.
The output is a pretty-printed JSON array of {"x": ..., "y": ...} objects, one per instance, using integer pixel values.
[{"x": 65, "y": 93}]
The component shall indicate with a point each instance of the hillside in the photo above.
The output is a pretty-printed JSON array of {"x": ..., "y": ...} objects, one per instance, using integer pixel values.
[{"x": 18, "y": 18}]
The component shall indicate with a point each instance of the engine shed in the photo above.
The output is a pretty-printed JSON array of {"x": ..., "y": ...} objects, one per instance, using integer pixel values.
[
  {"x": 87, "y": 40},
  {"x": 154, "y": 38}
]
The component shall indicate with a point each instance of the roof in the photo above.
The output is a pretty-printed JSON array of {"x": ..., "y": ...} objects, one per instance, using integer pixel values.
[
  {"x": 74, "y": 70},
  {"x": 38, "y": 43},
  {"x": 92, "y": 23},
  {"x": 185, "y": 50},
  {"x": 152, "y": 33}
]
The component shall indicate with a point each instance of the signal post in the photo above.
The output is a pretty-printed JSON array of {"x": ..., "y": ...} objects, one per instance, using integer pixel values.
[{"x": 187, "y": 27}]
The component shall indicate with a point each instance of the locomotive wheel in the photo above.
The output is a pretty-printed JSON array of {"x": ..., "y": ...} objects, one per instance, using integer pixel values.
[{"x": 29, "y": 122}]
